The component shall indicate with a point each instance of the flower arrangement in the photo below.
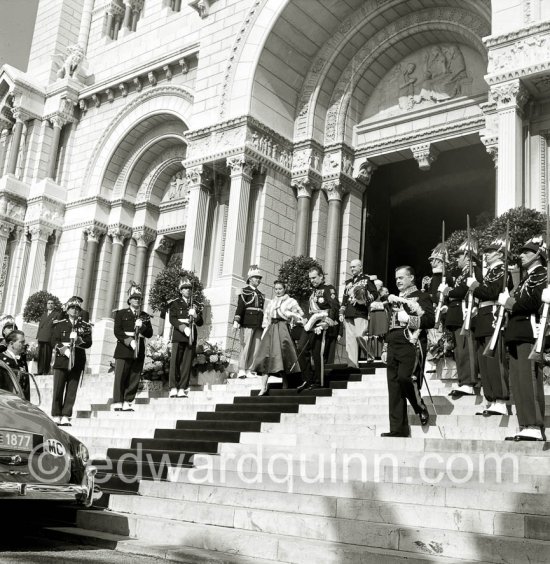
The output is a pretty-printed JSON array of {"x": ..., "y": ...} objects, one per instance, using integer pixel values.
[
  {"x": 443, "y": 348},
  {"x": 210, "y": 356},
  {"x": 31, "y": 351},
  {"x": 157, "y": 358}
]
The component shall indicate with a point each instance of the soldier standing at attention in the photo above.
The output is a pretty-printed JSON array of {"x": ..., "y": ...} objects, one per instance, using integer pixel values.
[
  {"x": 248, "y": 318},
  {"x": 184, "y": 318},
  {"x": 131, "y": 328},
  {"x": 359, "y": 293}
]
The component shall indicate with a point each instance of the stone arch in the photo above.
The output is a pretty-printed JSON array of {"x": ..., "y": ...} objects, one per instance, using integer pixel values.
[{"x": 172, "y": 100}]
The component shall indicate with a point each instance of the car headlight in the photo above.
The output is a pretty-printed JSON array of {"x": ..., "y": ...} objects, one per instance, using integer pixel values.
[{"x": 82, "y": 453}]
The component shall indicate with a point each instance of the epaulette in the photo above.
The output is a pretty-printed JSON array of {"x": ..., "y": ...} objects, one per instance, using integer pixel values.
[
  {"x": 495, "y": 273},
  {"x": 536, "y": 279},
  {"x": 248, "y": 290}
]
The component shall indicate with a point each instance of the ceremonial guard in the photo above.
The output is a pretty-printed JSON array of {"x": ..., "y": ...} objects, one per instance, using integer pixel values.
[
  {"x": 249, "y": 318},
  {"x": 14, "y": 356},
  {"x": 412, "y": 314},
  {"x": 493, "y": 370},
  {"x": 44, "y": 336},
  {"x": 323, "y": 309},
  {"x": 69, "y": 339},
  {"x": 523, "y": 306},
  {"x": 132, "y": 326},
  {"x": 456, "y": 315},
  {"x": 84, "y": 315},
  {"x": 7, "y": 325},
  {"x": 438, "y": 261},
  {"x": 359, "y": 293},
  {"x": 185, "y": 317}
]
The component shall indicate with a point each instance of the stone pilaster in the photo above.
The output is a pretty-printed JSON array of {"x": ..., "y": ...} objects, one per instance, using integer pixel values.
[
  {"x": 334, "y": 190},
  {"x": 93, "y": 236},
  {"x": 303, "y": 187},
  {"x": 17, "y": 251},
  {"x": 511, "y": 98},
  {"x": 17, "y": 131},
  {"x": 57, "y": 124},
  {"x": 118, "y": 236},
  {"x": 143, "y": 237},
  {"x": 199, "y": 186},
  {"x": 37, "y": 259}
]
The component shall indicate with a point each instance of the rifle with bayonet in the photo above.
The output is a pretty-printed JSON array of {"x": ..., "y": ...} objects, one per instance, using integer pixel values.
[
  {"x": 470, "y": 295},
  {"x": 491, "y": 347},
  {"x": 537, "y": 352},
  {"x": 441, "y": 301}
]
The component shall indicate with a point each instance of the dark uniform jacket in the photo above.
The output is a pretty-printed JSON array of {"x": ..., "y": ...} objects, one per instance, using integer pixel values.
[
  {"x": 527, "y": 301},
  {"x": 421, "y": 316},
  {"x": 179, "y": 318},
  {"x": 61, "y": 338},
  {"x": 20, "y": 368},
  {"x": 351, "y": 310},
  {"x": 250, "y": 308},
  {"x": 124, "y": 328},
  {"x": 454, "y": 317},
  {"x": 435, "y": 281},
  {"x": 45, "y": 325},
  {"x": 487, "y": 293},
  {"x": 324, "y": 298}
]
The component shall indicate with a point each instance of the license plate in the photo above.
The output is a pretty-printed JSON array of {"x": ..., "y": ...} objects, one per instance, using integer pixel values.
[{"x": 16, "y": 440}]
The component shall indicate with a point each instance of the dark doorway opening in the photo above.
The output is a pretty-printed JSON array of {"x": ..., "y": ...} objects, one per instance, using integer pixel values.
[{"x": 405, "y": 207}]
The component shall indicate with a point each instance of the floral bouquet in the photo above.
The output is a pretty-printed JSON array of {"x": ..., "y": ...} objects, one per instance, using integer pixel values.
[
  {"x": 31, "y": 351},
  {"x": 210, "y": 356},
  {"x": 157, "y": 358},
  {"x": 443, "y": 348}
]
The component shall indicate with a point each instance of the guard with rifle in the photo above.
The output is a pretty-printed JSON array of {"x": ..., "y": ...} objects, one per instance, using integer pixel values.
[
  {"x": 185, "y": 317},
  {"x": 132, "y": 326},
  {"x": 70, "y": 337},
  {"x": 458, "y": 318},
  {"x": 493, "y": 367},
  {"x": 523, "y": 307}
]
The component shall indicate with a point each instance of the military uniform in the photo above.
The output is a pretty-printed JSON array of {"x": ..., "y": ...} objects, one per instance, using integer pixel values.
[
  {"x": 129, "y": 361},
  {"x": 184, "y": 342},
  {"x": 493, "y": 370},
  {"x": 19, "y": 366},
  {"x": 356, "y": 315},
  {"x": 406, "y": 348},
  {"x": 67, "y": 366},
  {"x": 249, "y": 316},
  {"x": 526, "y": 379},
  {"x": 317, "y": 336}
]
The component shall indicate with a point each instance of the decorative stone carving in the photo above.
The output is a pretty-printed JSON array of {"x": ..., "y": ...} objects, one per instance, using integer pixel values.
[
  {"x": 366, "y": 170},
  {"x": 425, "y": 155},
  {"x": 164, "y": 245},
  {"x": 94, "y": 233},
  {"x": 83, "y": 105},
  {"x": 241, "y": 165},
  {"x": 144, "y": 236},
  {"x": 118, "y": 234},
  {"x": 167, "y": 72},
  {"x": 520, "y": 54},
  {"x": 75, "y": 56},
  {"x": 152, "y": 78},
  {"x": 333, "y": 189},
  {"x": 110, "y": 95},
  {"x": 39, "y": 232},
  {"x": 96, "y": 100},
  {"x": 137, "y": 83},
  {"x": 509, "y": 94},
  {"x": 5, "y": 228},
  {"x": 303, "y": 187},
  {"x": 202, "y": 7},
  {"x": 183, "y": 65},
  {"x": 58, "y": 121},
  {"x": 178, "y": 188},
  {"x": 123, "y": 87},
  {"x": 20, "y": 115},
  {"x": 15, "y": 210}
]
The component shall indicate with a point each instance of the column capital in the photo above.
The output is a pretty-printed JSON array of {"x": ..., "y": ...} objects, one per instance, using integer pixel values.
[
  {"x": 39, "y": 232},
  {"x": 118, "y": 234},
  {"x": 20, "y": 115},
  {"x": 6, "y": 228},
  {"x": 365, "y": 171},
  {"x": 58, "y": 121},
  {"x": 425, "y": 154},
  {"x": 334, "y": 190},
  {"x": 241, "y": 165},
  {"x": 197, "y": 175},
  {"x": 94, "y": 233},
  {"x": 491, "y": 146},
  {"x": 144, "y": 236},
  {"x": 512, "y": 94},
  {"x": 303, "y": 187}
]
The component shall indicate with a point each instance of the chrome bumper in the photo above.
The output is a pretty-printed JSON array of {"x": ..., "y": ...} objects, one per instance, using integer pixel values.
[{"x": 83, "y": 493}]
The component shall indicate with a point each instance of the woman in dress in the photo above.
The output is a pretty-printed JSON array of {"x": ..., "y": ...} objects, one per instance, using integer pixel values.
[{"x": 277, "y": 353}]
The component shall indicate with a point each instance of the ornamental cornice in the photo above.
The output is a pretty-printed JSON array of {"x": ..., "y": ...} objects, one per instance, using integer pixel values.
[
  {"x": 122, "y": 203},
  {"x": 338, "y": 160},
  {"x": 495, "y": 40},
  {"x": 45, "y": 209},
  {"x": 12, "y": 208},
  {"x": 148, "y": 206},
  {"x": 88, "y": 200},
  {"x": 85, "y": 225}
]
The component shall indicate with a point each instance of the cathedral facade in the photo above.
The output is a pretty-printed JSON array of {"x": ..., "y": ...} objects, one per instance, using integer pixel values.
[{"x": 224, "y": 133}]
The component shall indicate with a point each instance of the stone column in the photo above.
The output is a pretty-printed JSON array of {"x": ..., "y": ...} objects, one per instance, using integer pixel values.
[
  {"x": 510, "y": 98},
  {"x": 143, "y": 239},
  {"x": 17, "y": 255},
  {"x": 5, "y": 230},
  {"x": 89, "y": 273},
  {"x": 199, "y": 184},
  {"x": 85, "y": 22},
  {"x": 57, "y": 124},
  {"x": 127, "y": 15},
  {"x": 3, "y": 145},
  {"x": 37, "y": 259},
  {"x": 17, "y": 131},
  {"x": 303, "y": 193},
  {"x": 239, "y": 193},
  {"x": 116, "y": 253},
  {"x": 334, "y": 193}
]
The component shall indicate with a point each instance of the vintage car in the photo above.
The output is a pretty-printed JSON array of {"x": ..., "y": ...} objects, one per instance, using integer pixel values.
[{"x": 37, "y": 458}]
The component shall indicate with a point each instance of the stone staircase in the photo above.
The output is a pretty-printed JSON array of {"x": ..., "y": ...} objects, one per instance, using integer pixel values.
[{"x": 307, "y": 478}]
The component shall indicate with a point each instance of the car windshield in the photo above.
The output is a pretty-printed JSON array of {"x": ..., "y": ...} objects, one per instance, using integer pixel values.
[{"x": 6, "y": 381}]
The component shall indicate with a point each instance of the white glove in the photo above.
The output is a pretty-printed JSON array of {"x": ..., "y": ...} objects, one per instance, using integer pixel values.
[
  {"x": 341, "y": 318},
  {"x": 187, "y": 331},
  {"x": 236, "y": 324},
  {"x": 442, "y": 287},
  {"x": 384, "y": 357},
  {"x": 133, "y": 344},
  {"x": 193, "y": 312},
  {"x": 503, "y": 298},
  {"x": 546, "y": 295},
  {"x": 67, "y": 352},
  {"x": 138, "y": 322},
  {"x": 73, "y": 335},
  {"x": 402, "y": 317},
  {"x": 470, "y": 280}
]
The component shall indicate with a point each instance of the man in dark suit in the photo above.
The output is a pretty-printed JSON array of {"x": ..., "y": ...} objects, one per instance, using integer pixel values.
[
  {"x": 411, "y": 315},
  {"x": 44, "y": 335},
  {"x": 70, "y": 337},
  {"x": 14, "y": 357},
  {"x": 131, "y": 327},
  {"x": 184, "y": 318},
  {"x": 324, "y": 310}
]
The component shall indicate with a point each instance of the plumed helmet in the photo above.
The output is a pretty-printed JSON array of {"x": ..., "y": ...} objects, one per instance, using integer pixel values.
[
  {"x": 497, "y": 244},
  {"x": 134, "y": 291},
  {"x": 467, "y": 248},
  {"x": 440, "y": 253},
  {"x": 536, "y": 245},
  {"x": 254, "y": 272},
  {"x": 73, "y": 302},
  {"x": 78, "y": 299},
  {"x": 185, "y": 283},
  {"x": 7, "y": 321}
]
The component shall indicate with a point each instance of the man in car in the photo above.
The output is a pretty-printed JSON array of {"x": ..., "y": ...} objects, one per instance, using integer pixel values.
[{"x": 15, "y": 346}]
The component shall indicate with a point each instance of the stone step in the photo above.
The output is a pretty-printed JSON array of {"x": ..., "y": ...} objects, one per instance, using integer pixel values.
[{"x": 256, "y": 533}]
